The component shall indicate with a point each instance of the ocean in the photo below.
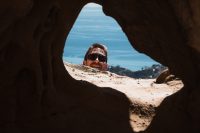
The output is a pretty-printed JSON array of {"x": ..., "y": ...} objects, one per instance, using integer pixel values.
[{"x": 93, "y": 26}]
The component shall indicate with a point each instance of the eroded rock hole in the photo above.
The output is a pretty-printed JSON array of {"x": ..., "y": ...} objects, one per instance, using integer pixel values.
[{"x": 129, "y": 71}]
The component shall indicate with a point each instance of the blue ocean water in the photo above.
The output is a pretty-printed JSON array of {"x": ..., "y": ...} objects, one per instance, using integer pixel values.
[{"x": 93, "y": 26}]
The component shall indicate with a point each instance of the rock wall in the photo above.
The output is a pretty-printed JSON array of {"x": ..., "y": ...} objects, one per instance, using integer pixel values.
[
  {"x": 38, "y": 95},
  {"x": 168, "y": 31}
]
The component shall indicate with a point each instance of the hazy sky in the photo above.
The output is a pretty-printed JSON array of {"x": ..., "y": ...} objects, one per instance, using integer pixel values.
[{"x": 93, "y": 5}]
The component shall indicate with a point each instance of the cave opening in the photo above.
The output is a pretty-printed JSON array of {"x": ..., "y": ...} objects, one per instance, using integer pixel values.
[{"x": 93, "y": 26}]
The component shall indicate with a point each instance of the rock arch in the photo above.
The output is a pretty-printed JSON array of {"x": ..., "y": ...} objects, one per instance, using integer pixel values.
[{"x": 37, "y": 93}]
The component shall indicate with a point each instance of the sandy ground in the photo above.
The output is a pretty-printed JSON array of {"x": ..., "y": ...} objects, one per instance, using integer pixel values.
[{"x": 144, "y": 93}]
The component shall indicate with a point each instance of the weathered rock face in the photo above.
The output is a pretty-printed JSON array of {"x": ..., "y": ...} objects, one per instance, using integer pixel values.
[
  {"x": 38, "y": 94},
  {"x": 168, "y": 32}
]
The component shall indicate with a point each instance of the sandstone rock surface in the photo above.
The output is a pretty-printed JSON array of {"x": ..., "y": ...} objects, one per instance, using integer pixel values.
[
  {"x": 39, "y": 95},
  {"x": 144, "y": 94}
]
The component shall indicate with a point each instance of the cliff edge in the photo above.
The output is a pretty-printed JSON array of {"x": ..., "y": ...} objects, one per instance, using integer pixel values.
[{"x": 144, "y": 94}]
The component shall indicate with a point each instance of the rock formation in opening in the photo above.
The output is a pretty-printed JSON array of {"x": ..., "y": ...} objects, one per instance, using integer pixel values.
[
  {"x": 38, "y": 94},
  {"x": 145, "y": 94}
]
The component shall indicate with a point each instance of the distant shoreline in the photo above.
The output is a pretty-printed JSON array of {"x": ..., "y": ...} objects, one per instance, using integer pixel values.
[
  {"x": 78, "y": 61},
  {"x": 145, "y": 73},
  {"x": 150, "y": 72}
]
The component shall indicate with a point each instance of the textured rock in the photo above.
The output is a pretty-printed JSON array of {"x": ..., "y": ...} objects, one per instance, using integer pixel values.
[
  {"x": 38, "y": 94},
  {"x": 144, "y": 94},
  {"x": 165, "y": 76}
]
